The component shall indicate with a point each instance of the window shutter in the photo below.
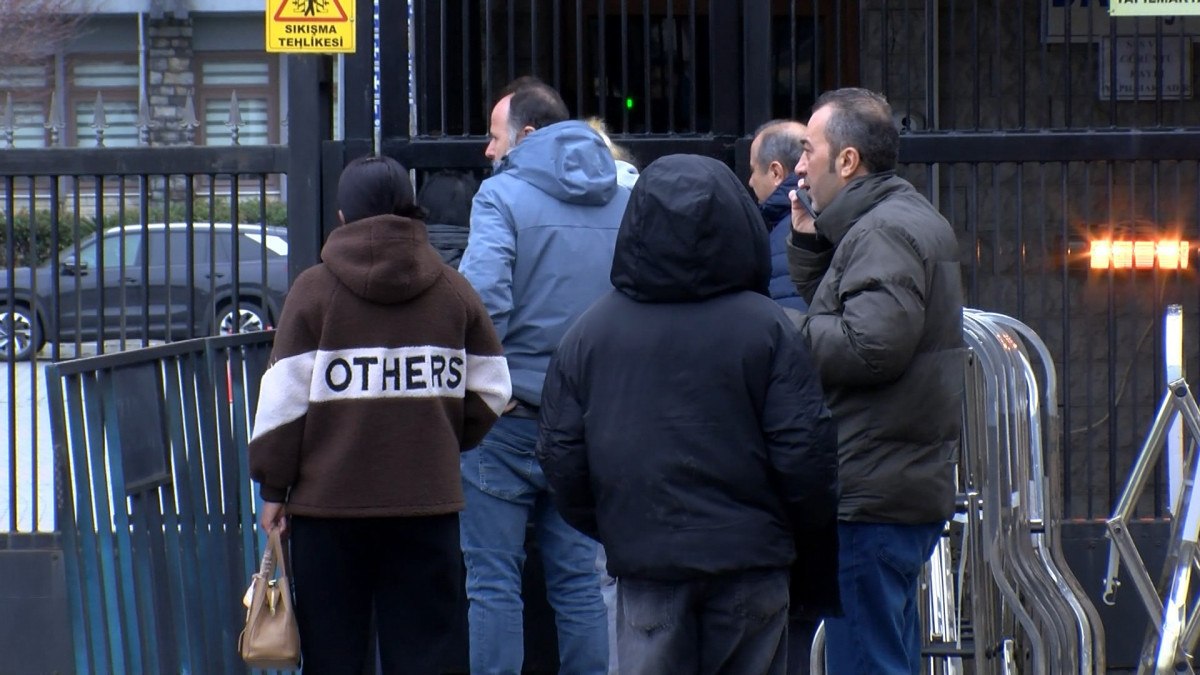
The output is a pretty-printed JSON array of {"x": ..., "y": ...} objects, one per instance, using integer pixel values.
[
  {"x": 251, "y": 80},
  {"x": 117, "y": 82}
]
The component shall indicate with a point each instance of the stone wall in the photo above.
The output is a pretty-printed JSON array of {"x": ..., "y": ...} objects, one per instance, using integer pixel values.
[{"x": 169, "y": 77}]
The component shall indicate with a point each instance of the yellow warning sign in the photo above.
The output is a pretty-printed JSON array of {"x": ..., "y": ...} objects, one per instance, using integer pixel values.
[
  {"x": 1154, "y": 7},
  {"x": 310, "y": 26}
]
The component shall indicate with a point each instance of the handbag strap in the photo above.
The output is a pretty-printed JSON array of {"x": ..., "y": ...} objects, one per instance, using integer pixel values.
[
  {"x": 275, "y": 556},
  {"x": 266, "y": 568}
]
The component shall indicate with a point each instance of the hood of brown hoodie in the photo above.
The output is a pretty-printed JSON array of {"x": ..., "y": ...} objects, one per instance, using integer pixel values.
[{"x": 384, "y": 259}]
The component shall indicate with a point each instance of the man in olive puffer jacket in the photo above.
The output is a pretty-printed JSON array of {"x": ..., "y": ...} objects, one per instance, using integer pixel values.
[{"x": 880, "y": 270}]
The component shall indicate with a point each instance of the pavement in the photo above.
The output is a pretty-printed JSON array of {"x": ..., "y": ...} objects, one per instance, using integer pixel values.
[
  {"x": 27, "y": 465},
  {"x": 27, "y": 468}
]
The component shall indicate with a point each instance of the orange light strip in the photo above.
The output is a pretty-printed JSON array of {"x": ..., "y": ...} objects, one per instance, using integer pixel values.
[{"x": 1166, "y": 254}]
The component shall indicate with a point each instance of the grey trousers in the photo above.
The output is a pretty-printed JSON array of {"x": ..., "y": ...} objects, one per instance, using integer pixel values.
[{"x": 732, "y": 623}]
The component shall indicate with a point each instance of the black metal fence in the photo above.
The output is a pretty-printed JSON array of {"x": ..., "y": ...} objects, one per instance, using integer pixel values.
[
  {"x": 1035, "y": 128},
  {"x": 157, "y": 508},
  {"x": 109, "y": 249}
]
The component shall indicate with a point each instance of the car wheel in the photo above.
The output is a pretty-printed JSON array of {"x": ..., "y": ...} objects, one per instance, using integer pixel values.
[
  {"x": 248, "y": 318},
  {"x": 20, "y": 333}
]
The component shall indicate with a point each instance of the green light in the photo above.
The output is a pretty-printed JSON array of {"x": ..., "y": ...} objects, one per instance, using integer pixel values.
[{"x": 629, "y": 103}]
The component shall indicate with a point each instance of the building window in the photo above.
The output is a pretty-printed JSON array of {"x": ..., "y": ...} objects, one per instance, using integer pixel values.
[
  {"x": 30, "y": 89},
  {"x": 117, "y": 81},
  {"x": 251, "y": 76}
]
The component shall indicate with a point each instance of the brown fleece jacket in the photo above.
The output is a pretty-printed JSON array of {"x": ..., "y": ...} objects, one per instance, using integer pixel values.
[{"x": 385, "y": 367}]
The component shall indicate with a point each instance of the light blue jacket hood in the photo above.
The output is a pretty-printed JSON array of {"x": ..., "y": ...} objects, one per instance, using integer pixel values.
[
  {"x": 564, "y": 161},
  {"x": 543, "y": 231},
  {"x": 627, "y": 174}
]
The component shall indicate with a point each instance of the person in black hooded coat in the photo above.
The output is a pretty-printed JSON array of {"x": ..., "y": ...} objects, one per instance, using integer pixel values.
[
  {"x": 446, "y": 196},
  {"x": 683, "y": 426}
]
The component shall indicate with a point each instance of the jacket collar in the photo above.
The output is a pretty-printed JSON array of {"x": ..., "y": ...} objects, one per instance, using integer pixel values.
[
  {"x": 777, "y": 204},
  {"x": 854, "y": 201}
]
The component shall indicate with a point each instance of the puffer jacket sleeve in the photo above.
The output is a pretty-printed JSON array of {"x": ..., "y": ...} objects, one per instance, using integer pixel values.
[
  {"x": 491, "y": 254},
  {"x": 283, "y": 398},
  {"x": 807, "y": 267},
  {"x": 800, "y": 433},
  {"x": 880, "y": 290},
  {"x": 562, "y": 443},
  {"x": 489, "y": 386}
]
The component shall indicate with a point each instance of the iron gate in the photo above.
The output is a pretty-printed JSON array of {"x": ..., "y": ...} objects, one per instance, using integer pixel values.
[
  {"x": 1023, "y": 122},
  {"x": 1009, "y": 126}
]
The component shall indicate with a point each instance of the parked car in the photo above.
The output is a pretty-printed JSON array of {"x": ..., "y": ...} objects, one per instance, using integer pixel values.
[{"x": 140, "y": 282}]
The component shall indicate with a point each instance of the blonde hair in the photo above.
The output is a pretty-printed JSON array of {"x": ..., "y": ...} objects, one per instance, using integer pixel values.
[{"x": 619, "y": 153}]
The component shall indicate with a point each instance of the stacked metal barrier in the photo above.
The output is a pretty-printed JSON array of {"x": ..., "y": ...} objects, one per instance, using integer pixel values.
[
  {"x": 1174, "y": 632},
  {"x": 1012, "y": 475},
  {"x": 997, "y": 590}
]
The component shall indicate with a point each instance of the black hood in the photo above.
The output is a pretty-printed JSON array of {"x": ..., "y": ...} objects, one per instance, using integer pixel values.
[{"x": 690, "y": 232}]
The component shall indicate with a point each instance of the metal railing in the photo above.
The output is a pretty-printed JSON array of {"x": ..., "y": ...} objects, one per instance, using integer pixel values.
[
  {"x": 1023, "y": 123},
  {"x": 55, "y": 127},
  {"x": 155, "y": 503},
  {"x": 1174, "y": 632},
  {"x": 81, "y": 297},
  {"x": 1013, "y": 472},
  {"x": 133, "y": 284}
]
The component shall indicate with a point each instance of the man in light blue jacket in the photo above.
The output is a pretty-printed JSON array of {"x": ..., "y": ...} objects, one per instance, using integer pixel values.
[{"x": 543, "y": 231}]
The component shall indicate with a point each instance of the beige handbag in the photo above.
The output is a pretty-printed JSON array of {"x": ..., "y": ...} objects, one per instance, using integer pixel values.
[{"x": 271, "y": 638}]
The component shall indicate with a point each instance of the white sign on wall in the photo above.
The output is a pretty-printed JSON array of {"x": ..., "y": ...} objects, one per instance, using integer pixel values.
[
  {"x": 1136, "y": 68},
  {"x": 1154, "y": 7},
  {"x": 1090, "y": 22}
]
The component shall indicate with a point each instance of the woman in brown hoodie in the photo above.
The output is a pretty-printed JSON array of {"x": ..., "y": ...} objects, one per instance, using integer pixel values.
[{"x": 385, "y": 367}]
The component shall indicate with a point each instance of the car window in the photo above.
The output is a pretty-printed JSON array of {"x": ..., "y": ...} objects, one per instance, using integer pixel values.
[
  {"x": 177, "y": 253},
  {"x": 212, "y": 245},
  {"x": 251, "y": 245},
  {"x": 156, "y": 248},
  {"x": 113, "y": 253}
]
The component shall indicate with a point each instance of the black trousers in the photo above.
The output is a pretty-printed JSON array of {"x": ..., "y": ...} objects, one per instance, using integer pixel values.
[{"x": 406, "y": 573}]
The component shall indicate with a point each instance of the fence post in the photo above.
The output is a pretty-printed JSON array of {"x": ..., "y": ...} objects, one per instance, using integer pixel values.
[
  {"x": 310, "y": 121},
  {"x": 756, "y": 68},
  {"x": 358, "y": 71},
  {"x": 394, "y": 83},
  {"x": 726, "y": 55}
]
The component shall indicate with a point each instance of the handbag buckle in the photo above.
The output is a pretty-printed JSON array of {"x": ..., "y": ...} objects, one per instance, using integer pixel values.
[{"x": 272, "y": 596}]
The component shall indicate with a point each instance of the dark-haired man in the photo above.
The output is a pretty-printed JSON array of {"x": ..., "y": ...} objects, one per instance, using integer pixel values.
[
  {"x": 543, "y": 230},
  {"x": 880, "y": 270}
]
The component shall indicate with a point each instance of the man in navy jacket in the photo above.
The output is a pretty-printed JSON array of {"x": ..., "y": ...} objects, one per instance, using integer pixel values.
[
  {"x": 684, "y": 427},
  {"x": 776, "y": 148}
]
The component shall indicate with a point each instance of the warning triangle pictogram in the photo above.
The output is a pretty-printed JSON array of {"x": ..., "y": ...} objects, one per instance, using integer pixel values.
[{"x": 310, "y": 11}]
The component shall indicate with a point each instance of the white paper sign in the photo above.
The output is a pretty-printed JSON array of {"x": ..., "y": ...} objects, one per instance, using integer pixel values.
[
  {"x": 1090, "y": 22},
  {"x": 1136, "y": 68}
]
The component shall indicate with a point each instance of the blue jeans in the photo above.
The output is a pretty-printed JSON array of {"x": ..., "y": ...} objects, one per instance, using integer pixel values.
[
  {"x": 878, "y": 569},
  {"x": 728, "y": 623},
  {"x": 505, "y": 490}
]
